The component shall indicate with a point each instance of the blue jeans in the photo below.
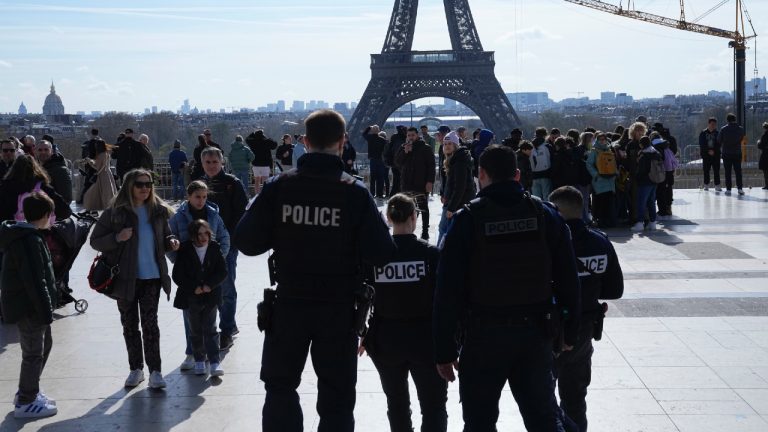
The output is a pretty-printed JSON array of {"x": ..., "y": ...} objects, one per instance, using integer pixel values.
[
  {"x": 646, "y": 202},
  {"x": 245, "y": 178},
  {"x": 442, "y": 228},
  {"x": 516, "y": 355},
  {"x": 541, "y": 188},
  {"x": 378, "y": 177},
  {"x": 228, "y": 305},
  {"x": 177, "y": 185}
]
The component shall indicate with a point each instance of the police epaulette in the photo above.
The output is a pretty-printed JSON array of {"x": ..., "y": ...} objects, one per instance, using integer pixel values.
[{"x": 600, "y": 233}]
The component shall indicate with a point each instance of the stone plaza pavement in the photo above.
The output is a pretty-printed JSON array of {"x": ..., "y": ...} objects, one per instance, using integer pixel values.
[{"x": 686, "y": 350}]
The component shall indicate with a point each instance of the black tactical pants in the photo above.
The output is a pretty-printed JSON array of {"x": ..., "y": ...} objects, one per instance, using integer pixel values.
[
  {"x": 422, "y": 203},
  {"x": 573, "y": 371},
  {"x": 398, "y": 348},
  {"x": 325, "y": 331},
  {"x": 518, "y": 355}
]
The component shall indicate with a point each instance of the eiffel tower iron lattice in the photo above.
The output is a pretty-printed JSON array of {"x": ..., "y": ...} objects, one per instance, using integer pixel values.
[{"x": 464, "y": 73}]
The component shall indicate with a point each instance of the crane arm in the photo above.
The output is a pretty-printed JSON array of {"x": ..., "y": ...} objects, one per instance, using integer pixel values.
[{"x": 658, "y": 19}]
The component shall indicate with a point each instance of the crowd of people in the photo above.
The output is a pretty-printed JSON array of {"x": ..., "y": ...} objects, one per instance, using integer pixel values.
[{"x": 434, "y": 308}]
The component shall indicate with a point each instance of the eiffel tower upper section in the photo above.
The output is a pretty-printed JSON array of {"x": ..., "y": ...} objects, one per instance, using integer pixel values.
[{"x": 464, "y": 73}]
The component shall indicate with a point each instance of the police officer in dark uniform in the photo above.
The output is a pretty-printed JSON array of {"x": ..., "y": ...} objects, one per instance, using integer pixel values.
[
  {"x": 506, "y": 256},
  {"x": 400, "y": 339},
  {"x": 601, "y": 278},
  {"x": 321, "y": 223}
]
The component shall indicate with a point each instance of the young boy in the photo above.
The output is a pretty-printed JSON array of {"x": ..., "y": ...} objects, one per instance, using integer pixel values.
[
  {"x": 601, "y": 278},
  {"x": 28, "y": 299}
]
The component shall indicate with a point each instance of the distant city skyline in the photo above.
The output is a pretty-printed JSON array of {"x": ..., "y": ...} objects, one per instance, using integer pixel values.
[{"x": 128, "y": 56}]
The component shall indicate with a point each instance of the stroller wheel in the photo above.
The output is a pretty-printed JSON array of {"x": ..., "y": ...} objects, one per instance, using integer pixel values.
[{"x": 81, "y": 306}]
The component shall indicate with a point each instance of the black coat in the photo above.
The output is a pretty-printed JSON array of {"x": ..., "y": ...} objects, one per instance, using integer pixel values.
[
  {"x": 417, "y": 167},
  {"x": 262, "y": 147},
  {"x": 228, "y": 193},
  {"x": 376, "y": 145},
  {"x": 526, "y": 173},
  {"x": 283, "y": 149},
  {"x": 189, "y": 273},
  {"x": 61, "y": 177},
  {"x": 459, "y": 184},
  {"x": 565, "y": 167}
]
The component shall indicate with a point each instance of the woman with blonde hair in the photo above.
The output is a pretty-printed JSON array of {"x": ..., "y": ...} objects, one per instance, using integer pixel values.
[
  {"x": 134, "y": 233},
  {"x": 459, "y": 187}
]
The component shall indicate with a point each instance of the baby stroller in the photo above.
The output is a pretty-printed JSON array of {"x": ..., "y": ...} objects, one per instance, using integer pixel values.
[{"x": 65, "y": 239}]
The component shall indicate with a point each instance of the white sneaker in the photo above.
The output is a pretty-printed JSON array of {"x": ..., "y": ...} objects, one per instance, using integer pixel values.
[
  {"x": 38, "y": 408},
  {"x": 638, "y": 227},
  {"x": 652, "y": 226},
  {"x": 216, "y": 370},
  {"x": 741, "y": 191},
  {"x": 134, "y": 378},
  {"x": 199, "y": 368},
  {"x": 156, "y": 380},
  {"x": 40, "y": 395},
  {"x": 188, "y": 363},
  {"x": 718, "y": 189}
]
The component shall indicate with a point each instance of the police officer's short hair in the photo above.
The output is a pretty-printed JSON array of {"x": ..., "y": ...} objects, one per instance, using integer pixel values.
[
  {"x": 37, "y": 206},
  {"x": 569, "y": 201},
  {"x": 499, "y": 162},
  {"x": 212, "y": 151},
  {"x": 400, "y": 207},
  {"x": 325, "y": 128}
]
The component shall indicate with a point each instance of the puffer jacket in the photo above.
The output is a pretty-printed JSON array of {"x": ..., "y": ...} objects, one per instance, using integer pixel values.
[
  {"x": 240, "y": 157},
  {"x": 417, "y": 167},
  {"x": 459, "y": 184},
  {"x": 104, "y": 240},
  {"x": 29, "y": 285},
  {"x": 180, "y": 222}
]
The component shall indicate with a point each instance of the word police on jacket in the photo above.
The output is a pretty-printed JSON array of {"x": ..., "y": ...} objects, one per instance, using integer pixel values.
[
  {"x": 511, "y": 226},
  {"x": 311, "y": 216},
  {"x": 396, "y": 272}
]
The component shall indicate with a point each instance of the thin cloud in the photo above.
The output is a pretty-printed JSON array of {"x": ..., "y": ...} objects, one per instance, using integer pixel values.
[
  {"x": 533, "y": 33},
  {"x": 5, "y": 64}
]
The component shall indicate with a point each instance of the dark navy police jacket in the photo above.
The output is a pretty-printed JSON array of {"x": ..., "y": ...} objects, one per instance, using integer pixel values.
[{"x": 454, "y": 271}]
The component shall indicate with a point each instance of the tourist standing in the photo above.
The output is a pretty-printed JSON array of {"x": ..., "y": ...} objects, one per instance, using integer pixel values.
[
  {"x": 240, "y": 159},
  {"x": 56, "y": 166},
  {"x": 177, "y": 160},
  {"x": 88, "y": 155},
  {"x": 390, "y": 152},
  {"x": 26, "y": 176},
  {"x": 134, "y": 234},
  {"x": 459, "y": 187},
  {"x": 348, "y": 156},
  {"x": 416, "y": 162},
  {"x": 100, "y": 195},
  {"x": 646, "y": 187},
  {"x": 284, "y": 152},
  {"x": 9, "y": 155},
  {"x": 262, "y": 147},
  {"x": 146, "y": 160},
  {"x": 601, "y": 164},
  {"x": 731, "y": 137},
  {"x": 709, "y": 150},
  {"x": 298, "y": 150},
  {"x": 378, "y": 170},
  {"x": 541, "y": 165}
]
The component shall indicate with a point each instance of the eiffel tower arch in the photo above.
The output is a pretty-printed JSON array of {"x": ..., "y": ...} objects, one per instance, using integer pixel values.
[{"x": 464, "y": 73}]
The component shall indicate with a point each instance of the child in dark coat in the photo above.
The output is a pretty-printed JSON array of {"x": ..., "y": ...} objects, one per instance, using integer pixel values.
[
  {"x": 28, "y": 299},
  {"x": 199, "y": 271}
]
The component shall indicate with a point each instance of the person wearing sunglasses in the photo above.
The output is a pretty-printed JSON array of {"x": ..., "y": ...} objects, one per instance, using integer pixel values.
[
  {"x": 8, "y": 156},
  {"x": 134, "y": 233}
]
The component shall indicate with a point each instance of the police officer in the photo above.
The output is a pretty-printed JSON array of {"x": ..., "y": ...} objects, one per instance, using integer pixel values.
[
  {"x": 504, "y": 258},
  {"x": 326, "y": 222},
  {"x": 400, "y": 339},
  {"x": 601, "y": 278}
]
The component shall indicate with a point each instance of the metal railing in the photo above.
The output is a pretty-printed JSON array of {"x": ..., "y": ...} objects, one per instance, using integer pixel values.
[{"x": 690, "y": 174}]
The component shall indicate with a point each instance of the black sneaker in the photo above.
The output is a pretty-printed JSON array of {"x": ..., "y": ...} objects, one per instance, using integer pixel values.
[
  {"x": 235, "y": 331},
  {"x": 425, "y": 235},
  {"x": 225, "y": 342}
]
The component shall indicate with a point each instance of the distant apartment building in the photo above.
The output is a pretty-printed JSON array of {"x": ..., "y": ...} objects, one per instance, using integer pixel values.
[
  {"x": 341, "y": 107},
  {"x": 529, "y": 99},
  {"x": 298, "y": 106},
  {"x": 756, "y": 86},
  {"x": 281, "y": 106},
  {"x": 608, "y": 97},
  {"x": 624, "y": 99}
]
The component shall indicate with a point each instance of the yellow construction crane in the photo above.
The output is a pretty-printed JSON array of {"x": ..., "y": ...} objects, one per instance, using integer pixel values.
[{"x": 738, "y": 36}]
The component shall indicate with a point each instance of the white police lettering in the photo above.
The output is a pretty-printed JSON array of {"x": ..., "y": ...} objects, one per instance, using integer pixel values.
[
  {"x": 594, "y": 265},
  {"x": 511, "y": 226},
  {"x": 312, "y": 216},
  {"x": 397, "y": 272}
]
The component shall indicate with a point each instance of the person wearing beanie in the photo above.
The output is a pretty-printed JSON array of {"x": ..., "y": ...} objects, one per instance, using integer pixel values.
[
  {"x": 177, "y": 159},
  {"x": 459, "y": 186}
]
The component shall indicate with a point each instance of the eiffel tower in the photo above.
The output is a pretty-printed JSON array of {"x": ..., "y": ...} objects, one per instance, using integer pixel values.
[{"x": 465, "y": 73}]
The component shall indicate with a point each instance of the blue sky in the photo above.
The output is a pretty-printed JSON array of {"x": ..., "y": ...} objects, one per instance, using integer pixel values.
[{"x": 118, "y": 55}]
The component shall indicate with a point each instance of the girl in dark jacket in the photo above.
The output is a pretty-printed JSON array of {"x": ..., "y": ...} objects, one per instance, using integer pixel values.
[
  {"x": 763, "y": 146},
  {"x": 134, "y": 234},
  {"x": 400, "y": 337},
  {"x": 459, "y": 187},
  {"x": 199, "y": 271},
  {"x": 646, "y": 188},
  {"x": 24, "y": 176}
]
